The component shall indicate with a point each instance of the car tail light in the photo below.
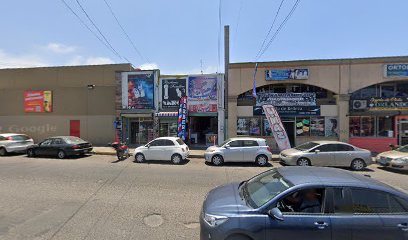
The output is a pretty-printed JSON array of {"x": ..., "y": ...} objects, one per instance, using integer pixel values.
[
  {"x": 269, "y": 149},
  {"x": 75, "y": 146},
  {"x": 9, "y": 138},
  {"x": 183, "y": 149}
]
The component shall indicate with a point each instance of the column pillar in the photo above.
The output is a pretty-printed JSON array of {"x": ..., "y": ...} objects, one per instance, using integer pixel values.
[
  {"x": 342, "y": 101},
  {"x": 232, "y": 116}
]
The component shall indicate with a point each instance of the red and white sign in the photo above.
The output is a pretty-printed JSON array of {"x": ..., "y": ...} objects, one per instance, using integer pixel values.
[
  {"x": 37, "y": 101},
  {"x": 277, "y": 127}
]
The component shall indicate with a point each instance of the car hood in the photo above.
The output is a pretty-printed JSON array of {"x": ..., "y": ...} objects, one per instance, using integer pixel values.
[
  {"x": 291, "y": 151},
  {"x": 393, "y": 154},
  {"x": 212, "y": 148},
  {"x": 225, "y": 199}
]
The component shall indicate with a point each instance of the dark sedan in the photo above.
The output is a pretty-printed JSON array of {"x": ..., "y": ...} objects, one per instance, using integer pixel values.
[
  {"x": 305, "y": 203},
  {"x": 61, "y": 147}
]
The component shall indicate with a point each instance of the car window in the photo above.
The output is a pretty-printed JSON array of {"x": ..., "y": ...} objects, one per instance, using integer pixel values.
[
  {"x": 305, "y": 201},
  {"x": 340, "y": 202},
  {"x": 306, "y": 146},
  {"x": 397, "y": 205},
  {"x": 166, "y": 142},
  {"x": 344, "y": 147},
  {"x": 179, "y": 141},
  {"x": 327, "y": 148},
  {"x": 74, "y": 140},
  {"x": 46, "y": 142},
  {"x": 2, "y": 138},
  {"x": 369, "y": 201},
  {"x": 235, "y": 143},
  {"x": 58, "y": 141},
  {"x": 250, "y": 143},
  {"x": 20, "y": 138},
  {"x": 155, "y": 143}
]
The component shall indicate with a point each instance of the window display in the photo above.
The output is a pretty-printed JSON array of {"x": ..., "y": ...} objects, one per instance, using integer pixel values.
[
  {"x": 303, "y": 126},
  {"x": 242, "y": 126},
  {"x": 255, "y": 127},
  {"x": 317, "y": 126}
]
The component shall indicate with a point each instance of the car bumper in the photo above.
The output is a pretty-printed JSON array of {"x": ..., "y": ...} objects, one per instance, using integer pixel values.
[
  {"x": 398, "y": 165},
  {"x": 79, "y": 151},
  {"x": 22, "y": 148},
  {"x": 210, "y": 233},
  {"x": 287, "y": 160},
  {"x": 208, "y": 156},
  {"x": 185, "y": 155}
]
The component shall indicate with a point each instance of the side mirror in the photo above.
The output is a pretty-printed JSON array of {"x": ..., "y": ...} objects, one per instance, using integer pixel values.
[
  {"x": 147, "y": 145},
  {"x": 275, "y": 213},
  {"x": 317, "y": 151},
  {"x": 226, "y": 146}
]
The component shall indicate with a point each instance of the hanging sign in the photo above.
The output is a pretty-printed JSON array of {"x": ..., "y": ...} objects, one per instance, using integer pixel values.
[
  {"x": 277, "y": 128},
  {"x": 286, "y": 99},
  {"x": 290, "y": 110},
  {"x": 182, "y": 119},
  {"x": 287, "y": 74}
]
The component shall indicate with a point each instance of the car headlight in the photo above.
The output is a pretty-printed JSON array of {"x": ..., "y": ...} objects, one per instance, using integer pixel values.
[
  {"x": 214, "y": 220},
  {"x": 401, "y": 160},
  {"x": 211, "y": 150}
]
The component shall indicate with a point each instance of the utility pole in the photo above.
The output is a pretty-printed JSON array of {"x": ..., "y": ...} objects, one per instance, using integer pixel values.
[{"x": 226, "y": 65}]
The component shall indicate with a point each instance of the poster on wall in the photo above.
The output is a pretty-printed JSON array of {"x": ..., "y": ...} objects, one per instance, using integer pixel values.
[
  {"x": 317, "y": 126},
  {"x": 302, "y": 126},
  {"x": 290, "y": 110},
  {"x": 287, "y": 74},
  {"x": 38, "y": 101},
  {"x": 140, "y": 91},
  {"x": 172, "y": 91},
  {"x": 331, "y": 127},
  {"x": 286, "y": 99},
  {"x": 278, "y": 130},
  {"x": 182, "y": 119},
  {"x": 202, "y": 94},
  {"x": 396, "y": 70}
]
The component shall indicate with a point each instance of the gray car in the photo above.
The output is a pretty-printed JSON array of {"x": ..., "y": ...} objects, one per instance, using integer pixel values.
[
  {"x": 243, "y": 149},
  {"x": 327, "y": 153},
  {"x": 305, "y": 203},
  {"x": 397, "y": 158},
  {"x": 14, "y": 143}
]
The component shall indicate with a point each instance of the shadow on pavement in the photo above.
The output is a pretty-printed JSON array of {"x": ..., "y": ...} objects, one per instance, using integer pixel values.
[
  {"x": 393, "y": 170},
  {"x": 163, "y": 162},
  {"x": 239, "y": 164},
  {"x": 66, "y": 158}
]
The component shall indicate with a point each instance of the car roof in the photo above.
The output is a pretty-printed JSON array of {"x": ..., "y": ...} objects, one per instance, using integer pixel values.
[
  {"x": 327, "y": 142},
  {"x": 246, "y": 138},
  {"x": 168, "y": 138},
  {"x": 11, "y": 134}
]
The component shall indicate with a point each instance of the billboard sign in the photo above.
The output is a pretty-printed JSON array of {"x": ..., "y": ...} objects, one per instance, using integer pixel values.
[
  {"x": 395, "y": 70},
  {"x": 290, "y": 111},
  {"x": 286, "y": 99},
  {"x": 287, "y": 74},
  {"x": 172, "y": 91},
  {"x": 277, "y": 128},
  {"x": 202, "y": 93},
  {"x": 140, "y": 91},
  {"x": 394, "y": 103},
  {"x": 38, "y": 101}
]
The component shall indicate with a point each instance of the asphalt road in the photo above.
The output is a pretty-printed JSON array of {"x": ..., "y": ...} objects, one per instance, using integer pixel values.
[{"x": 96, "y": 198}]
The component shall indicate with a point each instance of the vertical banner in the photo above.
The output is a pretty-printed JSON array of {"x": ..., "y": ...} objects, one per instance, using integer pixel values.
[
  {"x": 254, "y": 87},
  {"x": 277, "y": 128},
  {"x": 182, "y": 119}
]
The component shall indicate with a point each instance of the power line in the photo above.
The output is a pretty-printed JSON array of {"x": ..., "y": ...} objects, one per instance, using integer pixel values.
[
  {"x": 125, "y": 33},
  {"x": 270, "y": 29},
  {"x": 279, "y": 29},
  {"x": 238, "y": 19}
]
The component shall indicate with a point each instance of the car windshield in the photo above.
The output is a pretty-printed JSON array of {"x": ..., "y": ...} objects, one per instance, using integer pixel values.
[
  {"x": 306, "y": 146},
  {"x": 225, "y": 142},
  {"x": 262, "y": 188},
  {"x": 403, "y": 149},
  {"x": 73, "y": 140}
]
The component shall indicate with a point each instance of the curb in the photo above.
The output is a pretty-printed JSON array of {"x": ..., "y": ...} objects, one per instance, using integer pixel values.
[{"x": 114, "y": 154}]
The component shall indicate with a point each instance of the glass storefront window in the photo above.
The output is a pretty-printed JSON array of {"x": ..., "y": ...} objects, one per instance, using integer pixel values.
[
  {"x": 242, "y": 126},
  {"x": 168, "y": 129},
  {"x": 367, "y": 126},
  {"x": 255, "y": 127},
  {"x": 267, "y": 131},
  {"x": 402, "y": 90},
  {"x": 355, "y": 126},
  {"x": 302, "y": 126},
  {"x": 317, "y": 126},
  {"x": 385, "y": 127},
  {"x": 387, "y": 91}
]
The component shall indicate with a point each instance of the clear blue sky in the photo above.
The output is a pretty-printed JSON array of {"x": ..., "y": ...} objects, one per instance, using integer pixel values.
[{"x": 175, "y": 35}]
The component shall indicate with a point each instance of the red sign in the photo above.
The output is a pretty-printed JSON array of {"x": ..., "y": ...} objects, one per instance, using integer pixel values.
[{"x": 37, "y": 101}]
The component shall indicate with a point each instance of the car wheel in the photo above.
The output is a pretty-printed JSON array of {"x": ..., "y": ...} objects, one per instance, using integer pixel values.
[
  {"x": 357, "y": 165},
  {"x": 176, "y": 159},
  {"x": 261, "y": 160},
  {"x": 30, "y": 152},
  {"x": 238, "y": 237},
  {"x": 303, "y": 162},
  {"x": 3, "y": 152},
  {"x": 140, "y": 158},
  {"x": 61, "y": 154},
  {"x": 217, "y": 160}
]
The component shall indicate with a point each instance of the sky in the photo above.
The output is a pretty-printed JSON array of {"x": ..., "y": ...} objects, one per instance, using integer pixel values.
[{"x": 182, "y": 36}]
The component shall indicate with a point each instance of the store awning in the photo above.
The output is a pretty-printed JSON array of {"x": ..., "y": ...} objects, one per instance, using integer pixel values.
[
  {"x": 390, "y": 113},
  {"x": 167, "y": 114}
]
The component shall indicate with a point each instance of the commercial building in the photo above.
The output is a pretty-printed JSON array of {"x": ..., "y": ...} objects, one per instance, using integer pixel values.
[{"x": 362, "y": 101}]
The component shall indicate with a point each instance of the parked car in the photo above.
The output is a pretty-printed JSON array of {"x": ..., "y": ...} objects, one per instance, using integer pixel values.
[
  {"x": 397, "y": 158},
  {"x": 327, "y": 153},
  {"x": 61, "y": 147},
  {"x": 163, "y": 148},
  {"x": 305, "y": 203},
  {"x": 14, "y": 142},
  {"x": 239, "y": 150}
]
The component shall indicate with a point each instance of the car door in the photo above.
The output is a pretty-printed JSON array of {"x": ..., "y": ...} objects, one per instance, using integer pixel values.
[
  {"x": 57, "y": 143},
  {"x": 300, "y": 225},
  {"x": 323, "y": 155},
  {"x": 153, "y": 150},
  {"x": 167, "y": 149},
  {"x": 233, "y": 151},
  {"x": 44, "y": 148},
  {"x": 395, "y": 220},
  {"x": 344, "y": 155},
  {"x": 250, "y": 149}
]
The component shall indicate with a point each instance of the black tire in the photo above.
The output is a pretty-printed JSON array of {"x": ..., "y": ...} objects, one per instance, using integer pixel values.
[
  {"x": 61, "y": 154},
  {"x": 140, "y": 158},
  {"x": 238, "y": 237},
  {"x": 30, "y": 153},
  {"x": 217, "y": 160},
  {"x": 261, "y": 160},
  {"x": 357, "y": 164},
  {"x": 176, "y": 159},
  {"x": 303, "y": 162},
  {"x": 3, "y": 152}
]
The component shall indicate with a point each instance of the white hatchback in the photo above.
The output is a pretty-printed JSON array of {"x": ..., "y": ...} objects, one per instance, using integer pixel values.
[{"x": 163, "y": 148}]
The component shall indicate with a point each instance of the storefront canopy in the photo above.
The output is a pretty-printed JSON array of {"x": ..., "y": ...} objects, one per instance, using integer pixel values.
[{"x": 167, "y": 114}]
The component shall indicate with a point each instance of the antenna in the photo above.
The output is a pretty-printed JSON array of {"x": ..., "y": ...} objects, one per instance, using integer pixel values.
[{"x": 201, "y": 64}]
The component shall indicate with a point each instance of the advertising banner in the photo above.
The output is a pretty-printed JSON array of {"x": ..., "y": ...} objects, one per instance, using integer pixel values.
[
  {"x": 395, "y": 103},
  {"x": 172, "y": 91},
  {"x": 182, "y": 119},
  {"x": 277, "y": 128},
  {"x": 287, "y": 74},
  {"x": 140, "y": 91},
  {"x": 38, "y": 101},
  {"x": 286, "y": 99},
  {"x": 290, "y": 111},
  {"x": 396, "y": 70},
  {"x": 202, "y": 93}
]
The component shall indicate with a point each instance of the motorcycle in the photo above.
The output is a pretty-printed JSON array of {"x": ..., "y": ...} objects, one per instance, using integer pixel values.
[{"x": 122, "y": 150}]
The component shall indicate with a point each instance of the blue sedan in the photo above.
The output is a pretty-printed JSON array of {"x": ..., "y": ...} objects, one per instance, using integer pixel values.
[{"x": 305, "y": 203}]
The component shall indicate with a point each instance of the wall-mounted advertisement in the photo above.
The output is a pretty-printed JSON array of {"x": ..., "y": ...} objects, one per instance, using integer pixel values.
[
  {"x": 38, "y": 101},
  {"x": 202, "y": 94},
  {"x": 172, "y": 91},
  {"x": 395, "y": 70},
  {"x": 286, "y": 99},
  {"x": 290, "y": 111},
  {"x": 287, "y": 74},
  {"x": 140, "y": 91},
  {"x": 395, "y": 103},
  {"x": 331, "y": 127}
]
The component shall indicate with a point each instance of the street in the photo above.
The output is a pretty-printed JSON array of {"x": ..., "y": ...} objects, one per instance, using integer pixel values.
[{"x": 97, "y": 198}]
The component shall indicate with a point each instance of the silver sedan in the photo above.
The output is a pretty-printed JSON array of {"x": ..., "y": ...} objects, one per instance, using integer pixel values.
[
  {"x": 327, "y": 153},
  {"x": 397, "y": 158}
]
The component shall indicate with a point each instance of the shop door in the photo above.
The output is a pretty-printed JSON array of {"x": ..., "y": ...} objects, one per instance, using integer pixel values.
[
  {"x": 403, "y": 133},
  {"x": 290, "y": 130},
  {"x": 141, "y": 132}
]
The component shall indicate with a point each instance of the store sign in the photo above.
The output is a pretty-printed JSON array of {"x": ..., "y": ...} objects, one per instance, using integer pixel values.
[
  {"x": 286, "y": 99},
  {"x": 140, "y": 91},
  {"x": 396, "y": 70},
  {"x": 278, "y": 130},
  {"x": 287, "y": 74},
  {"x": 202, "y": 93},
  {"x": 172, "y": 91},
  {"x": 395, "y": 103},
  {"x": 37, "y": 101},
  {"x": 182, "y": 119},
  {"x": 290, "y": 111}
]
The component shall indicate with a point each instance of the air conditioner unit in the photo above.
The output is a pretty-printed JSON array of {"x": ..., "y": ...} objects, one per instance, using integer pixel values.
[{"x": 359, "y": 104}]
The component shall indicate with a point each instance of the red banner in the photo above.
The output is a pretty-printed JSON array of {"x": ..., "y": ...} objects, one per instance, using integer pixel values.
[{"x": 37, "y": 101}]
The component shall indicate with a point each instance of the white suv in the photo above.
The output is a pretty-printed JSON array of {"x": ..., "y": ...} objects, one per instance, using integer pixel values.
[
  {"x": 14, "y": 142},
  {"x": 240, "y": 150},
  {"x": 163, "y": 148}
]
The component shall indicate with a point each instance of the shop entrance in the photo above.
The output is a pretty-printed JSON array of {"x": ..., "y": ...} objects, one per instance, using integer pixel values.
[
  {"x": 290, "y": 131},
  {"x": 141, "y": 131},
  {"x": 403, "y": 133},
  {"x": 203, "y": 130}
]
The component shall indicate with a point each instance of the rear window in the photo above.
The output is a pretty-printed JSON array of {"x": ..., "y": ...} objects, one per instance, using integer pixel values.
[
  {"x": 179, "y": 141},
  {"x": 20, "y": 137},
  {"x": 73, "y": 140},
  {"x": 250, "y": 143}
]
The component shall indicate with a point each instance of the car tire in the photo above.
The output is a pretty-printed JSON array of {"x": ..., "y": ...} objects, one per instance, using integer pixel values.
[
  {"x": 140, "y": 158},
  {"x": 30, "y": 153},
  {"x": 303, "y": 162},
  {"x": 61, "y": 154},
  {"x": 238, "y": 237},
  {"x": 3, "y": 152},
  {"x": 217, "y": 160},
  {"x": 176, "y": 159},
  {"x": 357, "y": 165},
  {"x": 261, "y": 160}
]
